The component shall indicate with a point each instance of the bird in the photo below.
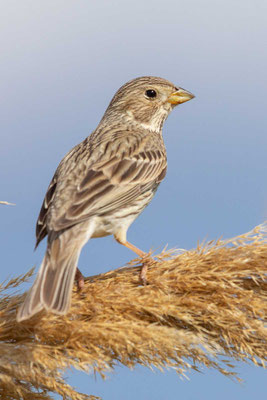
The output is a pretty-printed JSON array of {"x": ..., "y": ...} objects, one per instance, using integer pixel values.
[{"x": 101, "y": 186}]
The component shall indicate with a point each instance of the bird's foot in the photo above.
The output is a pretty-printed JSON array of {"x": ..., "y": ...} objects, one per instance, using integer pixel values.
[
  {"x": 143, "y": 274},
  {"x": 79, "y": 278},
  {"x": 147, "y": 260}
]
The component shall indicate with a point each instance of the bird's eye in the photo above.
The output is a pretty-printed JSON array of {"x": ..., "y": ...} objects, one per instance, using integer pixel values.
[{"x": 151, "y": 93}]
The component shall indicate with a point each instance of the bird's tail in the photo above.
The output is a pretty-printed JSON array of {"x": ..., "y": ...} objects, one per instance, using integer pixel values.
[{"x": 53, "y": 285}]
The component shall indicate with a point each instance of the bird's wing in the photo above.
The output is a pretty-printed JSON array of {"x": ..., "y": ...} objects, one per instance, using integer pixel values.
[
  {"x": 41, "y": 225},
  {"x": 42, "y": 221},
  {"x": 111, "y": 182}
]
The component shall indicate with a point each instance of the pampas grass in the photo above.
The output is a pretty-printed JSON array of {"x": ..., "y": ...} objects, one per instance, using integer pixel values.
[
  {"x": 7, "y": 203},
  {"x": 202, "y": 308}
]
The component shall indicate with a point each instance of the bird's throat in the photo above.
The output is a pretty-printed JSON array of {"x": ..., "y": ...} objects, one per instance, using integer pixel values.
[{"x": 154, "y": 124}]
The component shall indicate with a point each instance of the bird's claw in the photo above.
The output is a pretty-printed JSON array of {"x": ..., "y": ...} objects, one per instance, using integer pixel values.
[
  {"x": 143, "y": 274},
  {"x": 79, "y": 278},
  {"x": 147, "y": 260}
]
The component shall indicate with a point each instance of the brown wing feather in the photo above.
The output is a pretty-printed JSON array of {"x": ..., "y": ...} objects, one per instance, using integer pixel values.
[
  {"x": 88, "y": 183},
  {"x": 41, "y": 227},
  {"x": 112, "y": 184}
]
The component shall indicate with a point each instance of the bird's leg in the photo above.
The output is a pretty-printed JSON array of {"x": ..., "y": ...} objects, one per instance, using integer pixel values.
[
  {"x": 79, "y": 278},
  {"x": 140, "y": 253},
  {"x": 135, "y": 249},
  {"x": 142, "y": 276}
]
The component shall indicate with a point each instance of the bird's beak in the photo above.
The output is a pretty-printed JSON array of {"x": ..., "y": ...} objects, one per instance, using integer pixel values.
[{"x": 180, "y": 96}]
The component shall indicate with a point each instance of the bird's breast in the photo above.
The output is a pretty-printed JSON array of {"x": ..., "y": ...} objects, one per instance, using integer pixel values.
[{"x": 110, "y": 223}]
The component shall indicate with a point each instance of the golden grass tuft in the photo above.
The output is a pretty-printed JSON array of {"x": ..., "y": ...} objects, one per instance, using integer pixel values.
[
  {"x": 7, "y": 203},
  {"x": 203, "y": 307}
]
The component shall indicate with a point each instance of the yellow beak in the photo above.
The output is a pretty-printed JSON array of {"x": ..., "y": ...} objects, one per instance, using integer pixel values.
[{"x": 180, "y": 96}]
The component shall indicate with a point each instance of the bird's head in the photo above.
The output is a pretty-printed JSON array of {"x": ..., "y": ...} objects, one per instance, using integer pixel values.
[{"x": 146, "y": 101}]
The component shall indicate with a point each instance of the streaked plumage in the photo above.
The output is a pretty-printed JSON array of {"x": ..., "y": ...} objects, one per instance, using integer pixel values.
[{"x": 101, "y": 186}]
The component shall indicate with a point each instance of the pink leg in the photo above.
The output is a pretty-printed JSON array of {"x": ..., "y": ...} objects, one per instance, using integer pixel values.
[
  {"x": 79, "y": 279},
  {"x": 140, "y": 253}
]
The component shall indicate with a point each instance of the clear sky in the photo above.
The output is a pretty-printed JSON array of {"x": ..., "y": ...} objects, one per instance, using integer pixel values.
[{"x": 62, "y": 61}]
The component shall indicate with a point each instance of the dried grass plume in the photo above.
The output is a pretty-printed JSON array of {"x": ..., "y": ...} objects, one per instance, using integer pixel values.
[
  {"x": 7, "y": 203},
  {"x": 203, "y": 307}
]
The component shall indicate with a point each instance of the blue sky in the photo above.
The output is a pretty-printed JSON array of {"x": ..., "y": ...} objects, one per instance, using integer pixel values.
[{"x": 62, "y": 61}]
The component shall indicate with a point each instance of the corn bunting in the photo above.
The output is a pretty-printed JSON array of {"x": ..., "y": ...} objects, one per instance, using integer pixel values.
[{"x": 101, "y": 186}]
